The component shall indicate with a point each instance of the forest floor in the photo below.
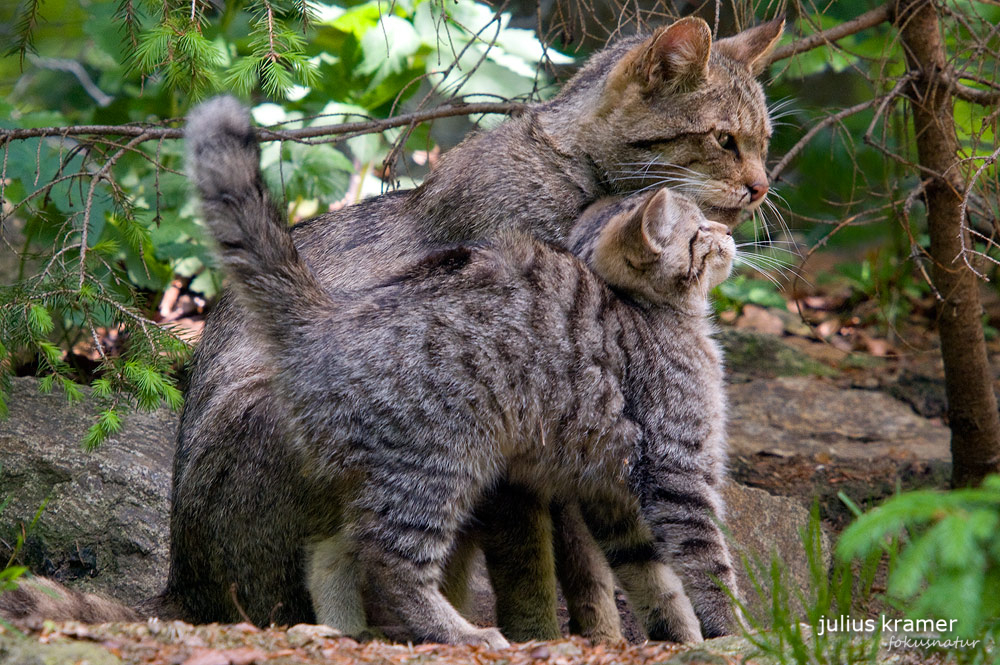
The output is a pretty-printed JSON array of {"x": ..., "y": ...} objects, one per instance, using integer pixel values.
[{"x": 178, "y": 643}]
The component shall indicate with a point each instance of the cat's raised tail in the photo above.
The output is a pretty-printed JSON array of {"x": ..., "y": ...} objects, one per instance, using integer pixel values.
[{"x": 254, "y": 239}]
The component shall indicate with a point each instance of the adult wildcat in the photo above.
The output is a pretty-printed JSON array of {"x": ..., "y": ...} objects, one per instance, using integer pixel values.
[
  {"x": 411, "y": 398},
  {"x": 669, "y": 108}
]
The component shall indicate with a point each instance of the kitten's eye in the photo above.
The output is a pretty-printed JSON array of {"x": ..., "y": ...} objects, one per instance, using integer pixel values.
[{"x": 726, "y": 141}]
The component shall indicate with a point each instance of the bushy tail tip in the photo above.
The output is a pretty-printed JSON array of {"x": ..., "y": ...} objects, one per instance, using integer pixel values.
[
  {"x": 223, "y": 156},
  {"x": 37, "y": 598}
]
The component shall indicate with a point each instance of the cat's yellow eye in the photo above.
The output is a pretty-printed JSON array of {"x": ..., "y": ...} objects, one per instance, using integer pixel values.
[{"x": 726, "y": 141}]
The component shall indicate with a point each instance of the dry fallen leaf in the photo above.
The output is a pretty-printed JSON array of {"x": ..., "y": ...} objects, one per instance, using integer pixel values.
[
  {"x": 761, "y": 320},
  {"x": 240, "y": 656}
]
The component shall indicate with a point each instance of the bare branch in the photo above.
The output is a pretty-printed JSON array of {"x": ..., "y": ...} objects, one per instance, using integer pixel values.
[
  {"x": 867, "y": 20},
  {"x": 153, "y": 132},
  {"x": 814, "y": 130},
  {"x": 76, "y": 69},
  {"x": 966, "y": 250},
  {"x": 96, "y": 178},
  {"x": 869, "y": 138},
  {"x": 970, "y": 94}
]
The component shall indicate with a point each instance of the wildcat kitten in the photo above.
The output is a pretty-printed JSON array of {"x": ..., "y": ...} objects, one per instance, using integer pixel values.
[
  {"x": 411, "y": 398},
  {"x": 673, "y": 107}
]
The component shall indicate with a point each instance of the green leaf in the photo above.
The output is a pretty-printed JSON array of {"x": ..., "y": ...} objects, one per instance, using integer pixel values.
[
  {"x": 110, "y": 421},
  {"x": 108, "y": 247},
  {"x": 387, "y": 46},
  {"x": 357, "y": 20},
  {"x": 51, "y": 353},
  {"x": 742, "y": 290},
  {"x": 101, "y": 387},
  {"x": 244, "y": 75},
  {"x": 154, "y": 47}
]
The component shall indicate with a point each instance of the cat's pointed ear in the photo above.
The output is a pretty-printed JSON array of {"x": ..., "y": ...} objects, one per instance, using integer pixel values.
[
  {"x": 675, "y": 57},
  {"x": 640, "y": 231},
  {"x": 752, "y": 46}
]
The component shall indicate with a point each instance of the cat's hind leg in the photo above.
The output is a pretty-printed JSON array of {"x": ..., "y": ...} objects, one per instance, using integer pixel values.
[
  {"x": 458, "y": 573},
  {"x": 405, "y": 520},
  {"x": 655, "y": 592},
  {"x": 585, "y": 578},
  {"x": 515, "y": 533},
  {"x": 334, "y": 580}
]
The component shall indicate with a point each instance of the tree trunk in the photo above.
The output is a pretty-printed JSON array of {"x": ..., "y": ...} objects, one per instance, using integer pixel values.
[{"x": 972, "y": 405}]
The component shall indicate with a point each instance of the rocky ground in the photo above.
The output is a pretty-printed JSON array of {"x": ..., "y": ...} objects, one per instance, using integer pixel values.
[{"x": 808, "y": 420}]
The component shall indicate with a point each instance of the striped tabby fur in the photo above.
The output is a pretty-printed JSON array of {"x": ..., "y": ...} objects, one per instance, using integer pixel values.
[{"x": 411, "y": 398}]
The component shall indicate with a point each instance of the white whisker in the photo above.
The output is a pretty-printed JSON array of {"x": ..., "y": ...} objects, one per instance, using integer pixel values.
[
  {"x": 743, "y": 261},
  {"x": 782, "y": 108},
  {"x": 763, "y": 263},
  {"x": 773, "y": 192},
  {"x": 780, "y": 218},
  {"x": 771, "y": 245}
]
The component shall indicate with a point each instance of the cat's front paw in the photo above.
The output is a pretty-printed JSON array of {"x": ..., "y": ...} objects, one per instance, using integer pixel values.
[
  {"x": 491, "y": 638},
  {"x": 680, "y": 628},
  {"x": 719, "y": 622}
]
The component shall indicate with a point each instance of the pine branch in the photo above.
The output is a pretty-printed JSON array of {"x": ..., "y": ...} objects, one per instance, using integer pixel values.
[
  {"x": 305, "y": 14},
  {"x": 130, "y": 21},
  {"x": 27, "y": 21}
]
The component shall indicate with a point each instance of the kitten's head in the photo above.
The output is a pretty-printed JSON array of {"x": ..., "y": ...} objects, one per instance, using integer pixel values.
[
  {"x": 677, "y": 109},
  {"x": 658, "y": 248}
]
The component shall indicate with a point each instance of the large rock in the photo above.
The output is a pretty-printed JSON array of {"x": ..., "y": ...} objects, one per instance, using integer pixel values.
[
  {"x": 104, "y": 527},
  {"x": 753, "y": 354},
  {"x": 764, "y": 527},
  {"x": 805, "y": 416}
]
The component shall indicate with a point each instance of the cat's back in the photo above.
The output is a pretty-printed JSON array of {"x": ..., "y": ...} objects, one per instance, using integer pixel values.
[
  {"x": 227, "y": 433},
  {"x": 504, "y": 322},
  {"x": 511, "y": 273},
  {"x": 361, "y": 244}
]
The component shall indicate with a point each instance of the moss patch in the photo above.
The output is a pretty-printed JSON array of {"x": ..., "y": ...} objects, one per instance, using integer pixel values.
[{"x": 759, "y": 355}]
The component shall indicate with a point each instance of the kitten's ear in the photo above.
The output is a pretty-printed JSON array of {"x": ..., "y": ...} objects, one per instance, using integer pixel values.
[
  {"x": 675, "y": 57},
  {"x": 638, "y": 235},
  {"x": 752, "y": 46}
]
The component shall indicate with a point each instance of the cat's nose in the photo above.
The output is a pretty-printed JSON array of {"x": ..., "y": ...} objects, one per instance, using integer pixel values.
[{"x": 757, "y": 191}]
